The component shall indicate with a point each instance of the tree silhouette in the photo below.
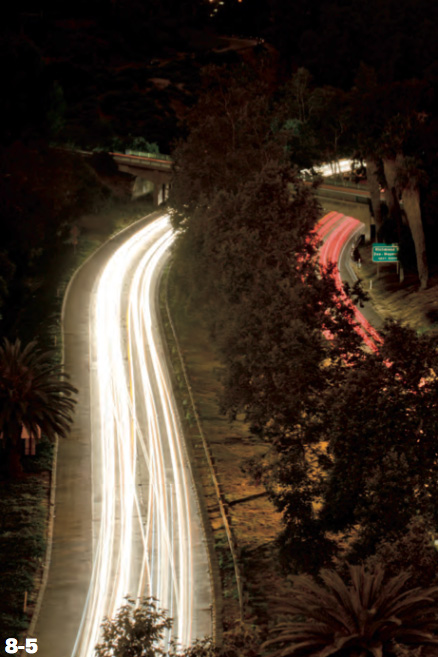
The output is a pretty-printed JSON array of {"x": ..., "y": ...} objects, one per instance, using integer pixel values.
[{"x": 34, "y": 395}]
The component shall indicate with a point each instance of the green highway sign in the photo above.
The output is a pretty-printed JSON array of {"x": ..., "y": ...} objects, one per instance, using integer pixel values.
[{"x": 385, "y": 252}]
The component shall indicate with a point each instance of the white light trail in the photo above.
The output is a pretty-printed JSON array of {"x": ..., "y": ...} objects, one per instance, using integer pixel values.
[
  {"x": 144, "y": 505},
  {"x": 331, "y": 169}
]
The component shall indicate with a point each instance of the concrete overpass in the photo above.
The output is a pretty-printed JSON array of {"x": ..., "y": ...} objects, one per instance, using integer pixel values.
[
  {"x": 152, "y": 173},
  {"x": 351, "y": 200}
]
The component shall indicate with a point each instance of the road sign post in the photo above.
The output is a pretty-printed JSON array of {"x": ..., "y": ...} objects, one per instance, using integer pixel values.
[{"x": 385, "y": 253}]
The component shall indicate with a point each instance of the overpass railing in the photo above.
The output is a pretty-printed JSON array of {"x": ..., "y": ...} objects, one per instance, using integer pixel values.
[{"x": 152, "y": 160}]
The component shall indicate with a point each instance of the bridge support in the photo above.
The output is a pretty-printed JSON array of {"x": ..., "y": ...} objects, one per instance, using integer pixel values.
[
  {"x": 161, "y": 193},
  {"x": 141, "y": 187},
  {"x": 358, "y": 210},
  {"x": 160, "y": 180}
]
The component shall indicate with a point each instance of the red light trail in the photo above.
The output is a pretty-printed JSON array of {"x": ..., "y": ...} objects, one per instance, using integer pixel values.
[{"x": 335, "y": 230}]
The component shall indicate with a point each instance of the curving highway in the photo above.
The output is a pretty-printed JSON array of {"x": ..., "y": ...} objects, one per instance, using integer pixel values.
[
  {"x": 338, "y": 232},
  {"x": 147, "y": 532}
]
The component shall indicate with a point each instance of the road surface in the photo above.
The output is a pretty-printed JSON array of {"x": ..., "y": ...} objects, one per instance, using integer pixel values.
[
  {"x": 129, "y": 524},
  {"x": 338, "y": 233}
]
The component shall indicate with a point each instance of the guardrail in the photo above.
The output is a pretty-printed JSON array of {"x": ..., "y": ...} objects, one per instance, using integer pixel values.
[
  {"x": 160, "y": 156},
  {"x": 344, "y": 194},
  {"x": 138, "y": 160}
]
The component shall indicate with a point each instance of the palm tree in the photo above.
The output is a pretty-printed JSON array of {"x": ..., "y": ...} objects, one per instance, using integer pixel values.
[
  {"x": 370, "y": 617},
  {"x": 35, "y": 398}
]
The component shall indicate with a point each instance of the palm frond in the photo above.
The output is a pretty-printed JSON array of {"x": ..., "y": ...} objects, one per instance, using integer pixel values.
[
  {"x": 367, "y": 614},
  {"x": 34, "y": 393}
]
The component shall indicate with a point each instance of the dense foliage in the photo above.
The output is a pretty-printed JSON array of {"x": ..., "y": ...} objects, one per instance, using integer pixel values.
[
  {"x": 141, "y": 629},
  {"x": 43, "y": 195},
  {"x": 365, "y": 616},
  {"x": 23, "y": 534},
  {"x": 367, "y": 459},
  {"x": 351, "y": 457},
  {"x": 244, "y": 251},
  {"x": 135, "y": 631}
]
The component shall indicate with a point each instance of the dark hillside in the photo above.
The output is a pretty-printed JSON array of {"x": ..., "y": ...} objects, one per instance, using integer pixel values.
[{"x": 120, "y": 79}]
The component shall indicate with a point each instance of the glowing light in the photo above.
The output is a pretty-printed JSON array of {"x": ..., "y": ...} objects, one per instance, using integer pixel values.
[
  {"x": 142, "y": 498},
  {"x": 336, "y": 229}
]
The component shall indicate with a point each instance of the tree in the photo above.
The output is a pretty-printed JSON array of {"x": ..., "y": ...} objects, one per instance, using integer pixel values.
[
  {"x": 391, "y": 128},
  {"x": 246, "y": 253},
  {"x": 35, "y": 395},
  {"x": 410, "y": 177},
  {"x": 380, "y": 423},
  {"x": 403, "y": 169},
  {"x": 135, "y": 631},
  {"x": 229, "y": 132},
  {"x": 388, "y": 121},
  {"x": 357, "y": 458},
  {"x": 372, "y": 167},
  {"x": 292, "y": 117},
  {"x": 413, "y": 551},
  {"x": 42, "y": 193},
  {"x": 140, "y": 629},
  {"x": 365, "y": 617},
  {"x": 329, "y": 119}
]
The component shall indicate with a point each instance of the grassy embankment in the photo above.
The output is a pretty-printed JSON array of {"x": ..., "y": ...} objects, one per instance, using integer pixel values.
[
  {"x": 24, "y": 507},
  {"x": 255, "y": 522}
]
